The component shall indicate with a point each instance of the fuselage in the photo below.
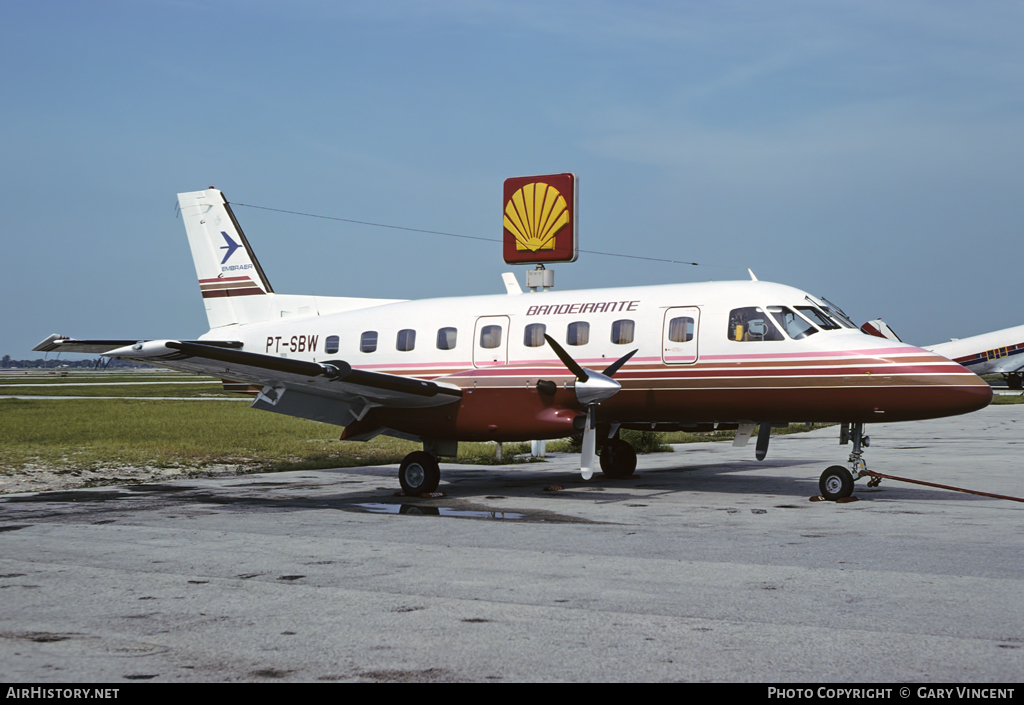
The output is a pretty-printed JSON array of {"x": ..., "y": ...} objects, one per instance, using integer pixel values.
[
  {"x": 989, "y": 353},
  {"x": 716, "y": 352}
]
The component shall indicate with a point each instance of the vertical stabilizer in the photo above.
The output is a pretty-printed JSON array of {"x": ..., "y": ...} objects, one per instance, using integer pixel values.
[{"x": 232, "y": 283}]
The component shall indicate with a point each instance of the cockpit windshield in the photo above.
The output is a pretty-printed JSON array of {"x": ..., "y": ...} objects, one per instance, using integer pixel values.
[
  {"x": 798, "y": 322},
  {"x": 795, "y": 327}
]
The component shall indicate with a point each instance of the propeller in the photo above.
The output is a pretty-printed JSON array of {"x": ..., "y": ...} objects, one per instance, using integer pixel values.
[{"x": 592, "y": 388}]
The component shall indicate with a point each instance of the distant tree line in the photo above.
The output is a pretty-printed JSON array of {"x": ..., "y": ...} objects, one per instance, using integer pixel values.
[{"x": 57, "y": 363}]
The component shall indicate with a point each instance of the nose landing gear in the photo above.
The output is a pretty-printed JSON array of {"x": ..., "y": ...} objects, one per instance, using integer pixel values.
[{"x": 837, "y": 482}]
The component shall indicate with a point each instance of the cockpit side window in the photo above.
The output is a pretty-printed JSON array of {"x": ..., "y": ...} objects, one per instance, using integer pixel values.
[
  {"x": 752, "y": 324},
  {"x": 795, "y": 327}
]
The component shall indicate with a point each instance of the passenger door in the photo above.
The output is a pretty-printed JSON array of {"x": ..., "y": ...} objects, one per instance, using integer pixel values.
[
  {"x": 490, "y": 341},
  {"x": 679, "y": 335}
]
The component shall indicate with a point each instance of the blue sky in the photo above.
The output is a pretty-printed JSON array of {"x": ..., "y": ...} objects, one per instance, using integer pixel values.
[{"x": 870, "y": 152}]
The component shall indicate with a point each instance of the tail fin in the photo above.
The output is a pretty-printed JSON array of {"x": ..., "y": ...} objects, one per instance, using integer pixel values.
[
  {"x": 235, "y": 289},
  {"x": 232, "y": 282}
]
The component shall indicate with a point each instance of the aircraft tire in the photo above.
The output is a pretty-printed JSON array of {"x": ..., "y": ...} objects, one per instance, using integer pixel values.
[
  {"x": 1015, "y": 381},
  {"x": 419, "y": 473},
  {"x": 618, "y": 459},
  {"x": 836, "y": 483}
]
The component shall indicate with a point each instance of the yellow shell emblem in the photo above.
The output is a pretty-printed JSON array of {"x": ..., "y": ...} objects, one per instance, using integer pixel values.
[{"x": 535, "y": 214}]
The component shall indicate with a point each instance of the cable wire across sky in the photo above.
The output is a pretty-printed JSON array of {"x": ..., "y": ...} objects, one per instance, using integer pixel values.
[{"x": 464, "y": 237}]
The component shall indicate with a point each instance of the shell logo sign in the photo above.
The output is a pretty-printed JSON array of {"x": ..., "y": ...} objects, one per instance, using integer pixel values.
[{"x": 540, "y": 219}]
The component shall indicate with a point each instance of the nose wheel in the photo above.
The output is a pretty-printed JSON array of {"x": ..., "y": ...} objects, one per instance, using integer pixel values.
[{"x": 837, "y": 482}]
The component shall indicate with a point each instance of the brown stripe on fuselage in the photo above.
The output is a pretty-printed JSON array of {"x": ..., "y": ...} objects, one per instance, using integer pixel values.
[
  {"x": 517, "y": 414},
  {"x": 741, "y": 382},
  {"x": 222, "y": 293}
]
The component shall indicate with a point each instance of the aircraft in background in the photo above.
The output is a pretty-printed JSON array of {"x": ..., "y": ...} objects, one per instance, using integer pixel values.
[
  {"x": 516, "y": 367},
  {"x": 998, "y": 352}
]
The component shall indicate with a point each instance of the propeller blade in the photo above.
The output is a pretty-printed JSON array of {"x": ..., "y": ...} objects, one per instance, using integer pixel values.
[
  {"x": 614, "y": 367},
  {"x": 573, "y": 366},
  {"x": 588, "y": 453},
  {"x": 591, "y": 389}
]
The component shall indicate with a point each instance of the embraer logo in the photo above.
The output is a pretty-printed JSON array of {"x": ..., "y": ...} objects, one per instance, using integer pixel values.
[{"x": 230, "y": 247}]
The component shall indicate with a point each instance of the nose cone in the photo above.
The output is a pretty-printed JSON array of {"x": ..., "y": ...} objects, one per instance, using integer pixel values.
[
  {"x": 971, "y": 394},
  {"x": 939, "y": 387}
]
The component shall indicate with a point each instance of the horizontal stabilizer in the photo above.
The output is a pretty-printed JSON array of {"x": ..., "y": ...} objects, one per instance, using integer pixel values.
[{"x": 62, "y": 343}]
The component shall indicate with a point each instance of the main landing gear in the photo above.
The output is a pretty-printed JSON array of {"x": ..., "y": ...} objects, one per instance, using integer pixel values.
[
  {"x": 618, "y": 459},
  {"x": 837, "y": 482},
  {"x": 419, "y": 473}
]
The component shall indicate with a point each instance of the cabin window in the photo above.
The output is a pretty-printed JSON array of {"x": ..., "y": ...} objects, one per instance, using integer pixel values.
[
  {"x": 578, "y": 333},
  {"x": 533, "y": 336},
  {"x": 818, "y": 317},
  {"x": 490, "y": 337},
  {"x": 680, "y": 330},
  {"x": 623, "y": 332},
  {"x": 446, "y": 338},
  {"x": 795, "y": 327},
  {"x": 752, "y": 324},
  {"x": 406, "y": 340},
  {"x": 332, "y": 344},
  {"x": 368, "y": 341}
]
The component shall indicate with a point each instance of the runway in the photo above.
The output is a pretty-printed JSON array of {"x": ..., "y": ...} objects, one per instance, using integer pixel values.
[{"x": 705, "y": 566}]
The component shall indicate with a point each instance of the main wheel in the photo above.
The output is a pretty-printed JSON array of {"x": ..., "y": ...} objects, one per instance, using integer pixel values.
[
  {"x": 618, "y": 459},
  {"x": 836, "y": 483},
  {"x": 419, "y": 473},
  {"x": 1015, "y": 381}
]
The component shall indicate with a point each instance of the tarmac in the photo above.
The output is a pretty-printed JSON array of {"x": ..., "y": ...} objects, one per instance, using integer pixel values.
[{"x": 705, "y": 566}]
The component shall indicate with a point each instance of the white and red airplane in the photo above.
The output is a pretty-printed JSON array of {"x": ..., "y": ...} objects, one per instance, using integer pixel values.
[{"x": 516, "y": 367}]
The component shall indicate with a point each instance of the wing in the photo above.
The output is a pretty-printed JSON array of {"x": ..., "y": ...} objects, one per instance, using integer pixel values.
[
  {"x": 330, "y": 391},
  {"x": 1009, "y": 365}
]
